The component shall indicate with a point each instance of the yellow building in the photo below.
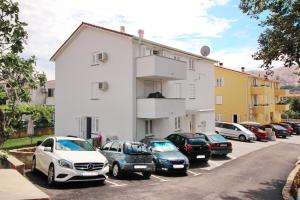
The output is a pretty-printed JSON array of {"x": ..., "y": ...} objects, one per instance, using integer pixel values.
[{"x": 243, "y": 97}]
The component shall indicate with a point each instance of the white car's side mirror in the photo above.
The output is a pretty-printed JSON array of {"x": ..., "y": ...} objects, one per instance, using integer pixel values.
[{"x": 49, "y": 149}]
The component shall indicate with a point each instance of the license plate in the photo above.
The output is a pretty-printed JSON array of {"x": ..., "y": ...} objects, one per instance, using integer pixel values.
[
  {"x": 140, "y": 166},
  {"x": 88, "y": 174},
  {"x": 178, "y": 166},
  {"x": 223, "y": 145},
  {"x": 201, "y": 156}
]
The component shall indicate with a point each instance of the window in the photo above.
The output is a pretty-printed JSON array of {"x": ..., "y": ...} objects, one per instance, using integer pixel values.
[
  {"x": 48, "y": 143},
  {"x": 177, "y": 123},
  {"x": 107, "y": 146},
  {"x": 254, "y": 82},
  {"x": 220, "y": 82},
  {"x": 219, "y": 100},
  {"x": 219, "y": 117},
  {"x": 148, "y": 127},
  {"x": 191, "y": 64},
  {"x": 155, "y": 52},
  {"x": 50, "y": 92},
  {"x": 192, "y": 91},
  {"x": 178, "y": 90},
  {"x": 228, "y": 126},
  {"x": 95, "y": 125},
  {"x": 114, "y": 147},
  {"x": 95, "y": 60},
  {"x": 95, "y": 93}
]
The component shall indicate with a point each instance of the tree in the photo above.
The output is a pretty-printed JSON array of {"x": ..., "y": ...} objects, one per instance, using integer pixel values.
[
  {"x": 280, "y": 40},
  {"x": 18, "y": 76}
]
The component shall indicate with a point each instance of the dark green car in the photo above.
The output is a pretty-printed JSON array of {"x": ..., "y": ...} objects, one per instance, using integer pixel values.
[{"x": 218, "y": 144}]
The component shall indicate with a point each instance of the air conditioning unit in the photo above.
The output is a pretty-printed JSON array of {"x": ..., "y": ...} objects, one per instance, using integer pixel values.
[
  {"x": 102, "y": 57},
  {"x": 103, "y": 86}
]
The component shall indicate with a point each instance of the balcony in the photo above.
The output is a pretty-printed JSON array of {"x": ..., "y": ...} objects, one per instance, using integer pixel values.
[
  {"x": 261, "y": 108},
  {"x": 260, "y": 90},
  {"x": 282, "y": 107},
  {"x": 153, "y": 108},
  {"x": 279, "y": 92},
  {"x": 157, "y": 67}
]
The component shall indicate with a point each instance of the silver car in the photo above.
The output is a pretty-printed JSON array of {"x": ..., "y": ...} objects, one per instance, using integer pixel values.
[{"x": 128, "y": 157}]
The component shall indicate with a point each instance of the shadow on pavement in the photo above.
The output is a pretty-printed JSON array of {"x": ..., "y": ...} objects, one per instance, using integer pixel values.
[
  {"x": 268, "y": 191},
  {"x": 40, "y": 180}
]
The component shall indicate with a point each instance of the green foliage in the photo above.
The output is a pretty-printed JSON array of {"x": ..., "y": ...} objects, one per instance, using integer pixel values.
[
  {"x": 281, "y": 39},
  {"x": 12, "y": 33},
  {"x": 3, "y": 155},
  {"x": 18, "y": 76},
  {"x": 22, "y": 142},
  {"x": 42, "y": 115},
  {"x": 295, "y": 105}
]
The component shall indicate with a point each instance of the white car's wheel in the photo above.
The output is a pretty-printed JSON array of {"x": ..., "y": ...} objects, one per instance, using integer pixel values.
[
  {"x": 51, "y": 175},
  {"x": 242, "y": 138}
]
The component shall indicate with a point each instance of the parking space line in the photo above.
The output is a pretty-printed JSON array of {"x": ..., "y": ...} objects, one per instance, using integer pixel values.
[
  {"x": 231, "y": 157},
  {"x": 115, "y": 184},
  {"x": 194, "y": 173},
  {"x": 159, "y": 178}
]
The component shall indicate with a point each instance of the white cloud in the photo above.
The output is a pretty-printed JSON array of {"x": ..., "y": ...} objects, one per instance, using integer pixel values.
[
  {"x": 241, "y": 57},
  {"x": 51, "y": 22}
]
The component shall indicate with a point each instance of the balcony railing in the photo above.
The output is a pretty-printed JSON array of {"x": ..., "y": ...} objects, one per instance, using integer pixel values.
[
  {"x": 261, "y": 108},
  {"x": 260, "y": 89},
  {"x": 280, "y": 92},
  {"x": 152, "y": 108},
  {"x": 281, "y": 107},
  {"x": 158, "y": 67}
]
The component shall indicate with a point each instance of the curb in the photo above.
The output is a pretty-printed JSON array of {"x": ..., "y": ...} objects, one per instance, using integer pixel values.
[{"x": 287, "y": 187}]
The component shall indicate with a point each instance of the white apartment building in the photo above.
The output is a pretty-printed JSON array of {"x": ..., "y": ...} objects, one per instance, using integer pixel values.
[
  {"x": 44, "y": 95},
  {"x": 104, "y": 78}
]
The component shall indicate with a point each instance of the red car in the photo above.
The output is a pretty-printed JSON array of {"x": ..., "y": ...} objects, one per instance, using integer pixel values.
[
  {"x": 255, "y": 128},
  {"x": 289, "y": 128}
]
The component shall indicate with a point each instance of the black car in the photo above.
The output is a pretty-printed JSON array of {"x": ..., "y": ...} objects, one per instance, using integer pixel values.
[
  {"x": 167, "y": 157},
  {"x": 192, "y": 145},
  {"x": 295, "y": 126},
  {"x": 280, "y": 131},
  {"x": 218, "y": 144}
]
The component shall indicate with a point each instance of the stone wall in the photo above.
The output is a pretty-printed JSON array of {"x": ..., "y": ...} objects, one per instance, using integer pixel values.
[
  {"x": 38, "y": 131},
  {"x": 24, "y": 155}
]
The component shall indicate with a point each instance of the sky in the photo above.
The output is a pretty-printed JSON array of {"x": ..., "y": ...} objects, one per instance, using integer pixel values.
[{"x": 187, "y": 25}]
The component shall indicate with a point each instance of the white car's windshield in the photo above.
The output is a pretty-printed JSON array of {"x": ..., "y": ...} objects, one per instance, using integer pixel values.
[
  {"x": 163, "y": 147},
  {"x": 73, "y": 145}
]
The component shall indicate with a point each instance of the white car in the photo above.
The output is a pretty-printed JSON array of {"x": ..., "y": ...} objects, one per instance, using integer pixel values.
[
  {"x": 69, "y": 159},
  {"x": 234, "y": 130}
]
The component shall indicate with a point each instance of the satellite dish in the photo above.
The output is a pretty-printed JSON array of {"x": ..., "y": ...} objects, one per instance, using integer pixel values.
[{"x": 205, "y": 50}]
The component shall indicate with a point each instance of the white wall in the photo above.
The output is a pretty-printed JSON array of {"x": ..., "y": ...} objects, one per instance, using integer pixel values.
[
  {"x": 40, "y": 95},
  {"x": 74, "y": 75}
]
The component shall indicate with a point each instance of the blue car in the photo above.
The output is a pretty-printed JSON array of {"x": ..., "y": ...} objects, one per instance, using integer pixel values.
[{"x": 167, "y": 157}]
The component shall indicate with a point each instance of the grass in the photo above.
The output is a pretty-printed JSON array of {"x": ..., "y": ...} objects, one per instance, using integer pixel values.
[{"x": 22, "y": 142}]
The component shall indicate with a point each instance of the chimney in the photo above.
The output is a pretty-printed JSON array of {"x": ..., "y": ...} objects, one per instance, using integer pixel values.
[
  {"x": 242, "y": 69},
  {"x": 122, "y": 29},
  {"x": 221, "y": 64},
  {"x": 141, "y": 33}
]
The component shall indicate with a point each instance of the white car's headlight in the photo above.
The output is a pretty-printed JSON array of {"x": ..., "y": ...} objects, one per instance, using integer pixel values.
[
  {"x": 105, "y": 164},
  {"x": 65, "y": 163}
]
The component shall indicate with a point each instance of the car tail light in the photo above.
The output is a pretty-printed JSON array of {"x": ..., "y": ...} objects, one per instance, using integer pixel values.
[
  {"x": 209, "y": 146},
  {"x": 229, "y": 144},
  {"x": 188, "y": 147},
  {"x": 215, "y": 145}
]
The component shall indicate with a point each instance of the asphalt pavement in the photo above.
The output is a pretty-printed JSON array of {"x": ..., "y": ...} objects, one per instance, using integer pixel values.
[{"x": 258, "y": 175}]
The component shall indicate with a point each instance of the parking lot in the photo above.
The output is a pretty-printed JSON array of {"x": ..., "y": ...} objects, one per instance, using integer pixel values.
[{"x": 137, "y": 180}]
